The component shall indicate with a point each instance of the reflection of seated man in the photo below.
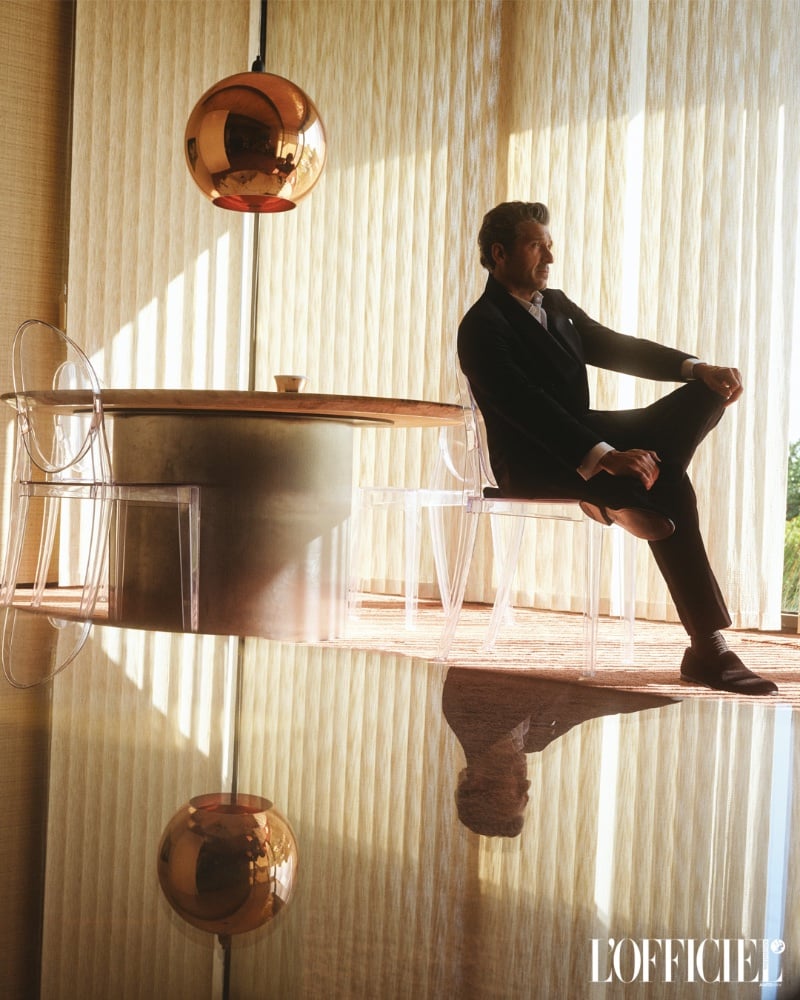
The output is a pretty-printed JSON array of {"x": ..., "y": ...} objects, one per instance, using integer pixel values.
[
  {"x": 490, "y": 713},
  {"x": 285, "y": 166},
  {"x": 493, "y": 788},
  {"x": 498, "y": 717}
]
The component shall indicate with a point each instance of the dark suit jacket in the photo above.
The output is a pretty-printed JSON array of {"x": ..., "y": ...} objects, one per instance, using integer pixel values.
[{"x": 532, "y": 386}]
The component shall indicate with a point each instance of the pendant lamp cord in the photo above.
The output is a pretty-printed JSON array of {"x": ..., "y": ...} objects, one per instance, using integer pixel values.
[
  {"x": 225, "y": 939},
  {"x": 260, "y": 60},
  {"x": 258, "y": 67}
]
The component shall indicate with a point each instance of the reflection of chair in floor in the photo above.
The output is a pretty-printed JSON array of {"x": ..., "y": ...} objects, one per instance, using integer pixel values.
[
  {"x": 483, "y": 497},
  {"x": 63, "y": 463},
  {"x": 446, "y": 490},
  {"x": 36, "y": 646}
]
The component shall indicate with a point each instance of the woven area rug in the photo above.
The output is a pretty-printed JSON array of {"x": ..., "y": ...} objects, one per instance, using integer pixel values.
[{"x": 551, "y": 644}]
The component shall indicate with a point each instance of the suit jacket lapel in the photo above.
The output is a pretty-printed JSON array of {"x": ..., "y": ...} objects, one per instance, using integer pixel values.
[
  {"x": 566, "y": 334},
  {"x": 559, "y": 345}
]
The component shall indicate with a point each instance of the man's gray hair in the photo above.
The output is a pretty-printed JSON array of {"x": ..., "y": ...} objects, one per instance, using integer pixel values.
[{"x": 501, "y": 225}]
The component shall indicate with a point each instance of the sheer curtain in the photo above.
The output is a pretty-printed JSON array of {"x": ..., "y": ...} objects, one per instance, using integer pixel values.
[
  {"x": 664, "y": 137},
  {"x": 362, "y": 287},
  {"x": 159, "y": 281}
]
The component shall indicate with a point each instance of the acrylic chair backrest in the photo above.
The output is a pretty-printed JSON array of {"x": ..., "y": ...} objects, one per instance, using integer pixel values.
[
  {"x": 64, "y": 441},
  {"x": 478, "y": 469},
  {"x": 448, "y": 470}
]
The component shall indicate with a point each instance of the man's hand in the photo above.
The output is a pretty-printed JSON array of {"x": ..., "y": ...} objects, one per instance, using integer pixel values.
[
  {"x": 727, "y": 382},
  {"x": 636, "y": 463}
]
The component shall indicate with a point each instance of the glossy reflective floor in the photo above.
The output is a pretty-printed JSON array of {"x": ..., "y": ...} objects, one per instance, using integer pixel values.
[{"x": 462, "y": 832}]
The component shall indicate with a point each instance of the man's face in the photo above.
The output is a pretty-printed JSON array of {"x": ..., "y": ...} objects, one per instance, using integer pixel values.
[{"x": 524, "y": 268}]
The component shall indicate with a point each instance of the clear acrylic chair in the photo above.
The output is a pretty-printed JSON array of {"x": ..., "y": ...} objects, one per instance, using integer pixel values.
[
  {"x": 62, "y": 459},
  {"x": 483, "y": 497},
  {"x": 446, "y": 490}
]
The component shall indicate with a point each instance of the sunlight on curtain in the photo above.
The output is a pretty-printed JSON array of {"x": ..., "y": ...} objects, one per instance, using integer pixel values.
[
  {"x": 362, "y": 287},
  {"x": 671, "y": 171},
  {"x": 158, "y": 276}
]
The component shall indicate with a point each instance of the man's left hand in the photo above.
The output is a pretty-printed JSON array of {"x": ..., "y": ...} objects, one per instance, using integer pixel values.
[{"x": 727, "y": 382}]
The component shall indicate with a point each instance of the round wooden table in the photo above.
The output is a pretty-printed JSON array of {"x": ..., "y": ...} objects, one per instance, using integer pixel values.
[{"x": 276, "y": 477}]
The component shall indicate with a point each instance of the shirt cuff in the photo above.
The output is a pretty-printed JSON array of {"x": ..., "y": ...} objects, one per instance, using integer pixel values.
[
  {"x": 592, "y": 459},
  {"x": 687, "y": 366}
]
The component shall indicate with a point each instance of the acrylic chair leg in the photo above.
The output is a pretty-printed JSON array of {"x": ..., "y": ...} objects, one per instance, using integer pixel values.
[
  {"x": 116, "y": 579},
  {"x": 499, "y": 558},
  {"x": 356, "y": 552},
  {"x": 466, "y": 546},
  {"x": 194, "y": 557},
  {"x": 52, "y": 506},
  {"x": 594, "y": 545},
  {"x": 628, "y": 596},
  {"x": 17, "y": 525},
  {"x": 16, "y": 538},
  {"x": 97, "y": 557},
  {"x": 189, "y": 551},
  {"x": 508, "y": 568},
  {"x": 411, "y": 513},
  {"x": 440, "y": 554}
]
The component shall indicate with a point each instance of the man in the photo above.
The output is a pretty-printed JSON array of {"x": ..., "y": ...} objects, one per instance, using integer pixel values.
[{"x": 524, "y": 349}]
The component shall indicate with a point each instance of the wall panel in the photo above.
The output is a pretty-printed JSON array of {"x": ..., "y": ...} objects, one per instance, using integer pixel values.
[{"x": 35, "y": 71}]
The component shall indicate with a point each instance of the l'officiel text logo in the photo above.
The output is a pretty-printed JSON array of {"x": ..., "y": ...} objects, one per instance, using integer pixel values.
[{"x": 687, "y": 960}]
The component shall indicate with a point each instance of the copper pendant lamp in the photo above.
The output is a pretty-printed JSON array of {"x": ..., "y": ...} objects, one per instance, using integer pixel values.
[
  {"x": 227, "y": 863},
  {"x": 255, "y": 141}
]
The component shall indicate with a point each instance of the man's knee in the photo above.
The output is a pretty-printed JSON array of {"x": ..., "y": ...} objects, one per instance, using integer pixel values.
[
  {"x": 704, "y": 398},
  {"x": 701, "y": 407}
]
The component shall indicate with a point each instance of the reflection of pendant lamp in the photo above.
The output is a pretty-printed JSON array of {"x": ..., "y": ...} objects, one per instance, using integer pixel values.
[
  {"x": 227, "y": 863},
  {"x": 255, "y": 141}
]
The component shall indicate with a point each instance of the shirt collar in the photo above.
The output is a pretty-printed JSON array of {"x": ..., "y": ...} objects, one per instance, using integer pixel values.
[{"x": 532, "y": 305}]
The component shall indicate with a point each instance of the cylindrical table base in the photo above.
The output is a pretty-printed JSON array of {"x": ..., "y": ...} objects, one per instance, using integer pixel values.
[{"x": 275, "y": 504}]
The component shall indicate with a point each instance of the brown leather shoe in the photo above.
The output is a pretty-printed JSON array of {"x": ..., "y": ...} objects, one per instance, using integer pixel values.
[
  {"x": 646, "y": 524},
  {"x": 724, "y": 672}
]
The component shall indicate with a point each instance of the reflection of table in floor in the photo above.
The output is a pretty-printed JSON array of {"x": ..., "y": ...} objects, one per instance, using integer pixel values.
[{"x": 276, "y": 476}]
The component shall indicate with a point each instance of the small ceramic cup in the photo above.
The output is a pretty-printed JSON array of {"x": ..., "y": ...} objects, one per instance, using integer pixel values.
[{"x": 290, "y": 383}]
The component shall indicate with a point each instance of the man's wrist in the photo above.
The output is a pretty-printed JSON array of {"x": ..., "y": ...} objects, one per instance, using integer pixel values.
[
  {"x": 592, "y": 459},
  {"x": 688, "y": 366}
]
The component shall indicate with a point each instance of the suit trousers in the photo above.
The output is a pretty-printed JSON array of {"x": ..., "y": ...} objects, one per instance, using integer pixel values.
[{"x": 673, "y": 427}]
